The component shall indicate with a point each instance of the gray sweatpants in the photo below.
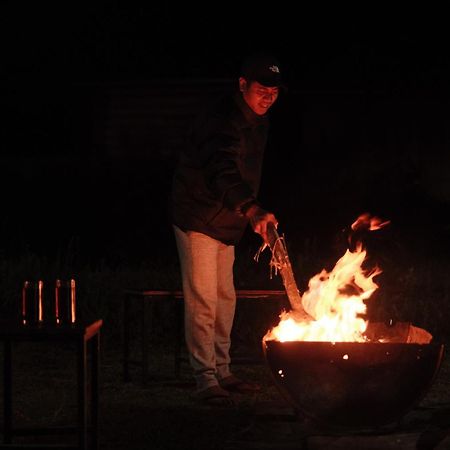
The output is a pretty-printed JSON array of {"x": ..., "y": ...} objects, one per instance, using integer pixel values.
[{"x": 210, "y": 301}]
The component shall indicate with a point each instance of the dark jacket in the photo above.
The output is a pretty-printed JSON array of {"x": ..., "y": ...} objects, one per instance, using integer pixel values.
[{"x": 218, "y": 173}]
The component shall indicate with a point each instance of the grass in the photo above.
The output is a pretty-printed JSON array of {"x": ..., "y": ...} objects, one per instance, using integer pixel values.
[
  {"x": 414, "y": 287},
  {"x": 163, "y": 414}
]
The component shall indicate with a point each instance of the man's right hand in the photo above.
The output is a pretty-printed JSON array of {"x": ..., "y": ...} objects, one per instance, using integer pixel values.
[{"x": 259, "y": 218}]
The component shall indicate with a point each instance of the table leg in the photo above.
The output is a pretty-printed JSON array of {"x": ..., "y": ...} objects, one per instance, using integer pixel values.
[
  {"x": 179, "y": 316},
  {"x": 7, "y": 392},
  {"x": 126, "y": 339},
  {"x": 82, "y": 393},
  {"x": 145, "y": 339},
  {"x": 95, "y": 351}
]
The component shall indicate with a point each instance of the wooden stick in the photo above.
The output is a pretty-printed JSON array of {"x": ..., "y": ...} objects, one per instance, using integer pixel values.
[{"x": 283, "y": 264}]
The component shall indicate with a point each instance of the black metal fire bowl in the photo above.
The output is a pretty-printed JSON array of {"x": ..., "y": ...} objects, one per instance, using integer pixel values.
[{"x": 353, "y": 385}]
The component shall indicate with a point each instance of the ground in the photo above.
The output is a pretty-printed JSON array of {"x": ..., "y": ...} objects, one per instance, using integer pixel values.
[{"x": 163, "y": 414}]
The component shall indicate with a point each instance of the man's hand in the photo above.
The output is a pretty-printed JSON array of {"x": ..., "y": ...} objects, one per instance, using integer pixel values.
[{"x": 259, "y": 218}]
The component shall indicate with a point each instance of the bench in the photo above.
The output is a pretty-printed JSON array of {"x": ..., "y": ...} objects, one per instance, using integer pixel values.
[{"x": 140, "y": 300}]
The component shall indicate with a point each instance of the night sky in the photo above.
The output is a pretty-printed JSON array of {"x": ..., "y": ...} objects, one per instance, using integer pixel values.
[
  {"x": 58, "y": 42},
  {"x": 365, "y": 124}
]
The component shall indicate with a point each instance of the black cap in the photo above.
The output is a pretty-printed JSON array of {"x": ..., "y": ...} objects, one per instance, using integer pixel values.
[{"x": 263, "y": 68}]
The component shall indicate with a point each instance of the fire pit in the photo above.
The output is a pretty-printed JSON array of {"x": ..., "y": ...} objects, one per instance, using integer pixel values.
[
  {"x": 353, "y": 384},
  {"x": 332, "y": 363}
]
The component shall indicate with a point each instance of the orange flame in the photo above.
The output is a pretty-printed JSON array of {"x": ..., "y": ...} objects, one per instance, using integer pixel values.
[
  {"x": 370, "y": 222},
  {"x": 335, "y": 300}
]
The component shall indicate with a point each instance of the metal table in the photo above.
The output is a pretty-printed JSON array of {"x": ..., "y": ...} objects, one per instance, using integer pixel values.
[{"x": 86, "y": 338}]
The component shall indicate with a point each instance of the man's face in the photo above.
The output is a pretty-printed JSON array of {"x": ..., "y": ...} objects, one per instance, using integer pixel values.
[{"x": 258, "y": 97}]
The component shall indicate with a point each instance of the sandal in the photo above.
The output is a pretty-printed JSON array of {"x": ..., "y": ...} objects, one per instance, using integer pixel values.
[
  {"x": 215, "y": 396},
  {"x": 234, "y": 384}
]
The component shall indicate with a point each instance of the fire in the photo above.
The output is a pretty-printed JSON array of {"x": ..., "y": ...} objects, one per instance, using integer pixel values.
[
  {"x": 335, "y": 300},
  {"x": 370, "y": 222}
]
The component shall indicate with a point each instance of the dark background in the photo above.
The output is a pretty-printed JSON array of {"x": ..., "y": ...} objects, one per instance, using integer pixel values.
[{"x": 96, "y": 101}]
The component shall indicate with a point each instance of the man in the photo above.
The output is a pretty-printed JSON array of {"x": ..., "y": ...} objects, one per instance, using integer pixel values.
[{"x": 214, "y": 198}]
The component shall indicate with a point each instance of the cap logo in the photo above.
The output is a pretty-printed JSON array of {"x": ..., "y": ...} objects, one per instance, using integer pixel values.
[{"x": 274, "y": 69}]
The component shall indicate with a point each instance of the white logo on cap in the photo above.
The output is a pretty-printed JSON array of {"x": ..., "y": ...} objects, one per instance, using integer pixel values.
[{"x": 274, "y": 69}]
